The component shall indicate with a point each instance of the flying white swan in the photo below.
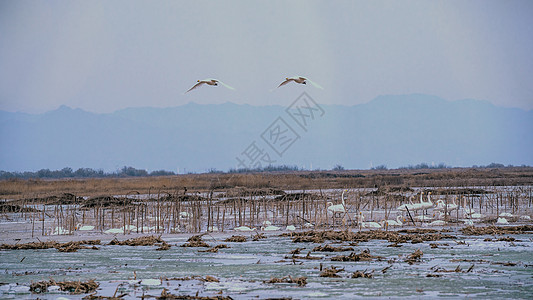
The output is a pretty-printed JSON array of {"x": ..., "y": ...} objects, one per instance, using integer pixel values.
[
  {"x": 209, "y": 81},
  {"x": 300, "y": 80}
]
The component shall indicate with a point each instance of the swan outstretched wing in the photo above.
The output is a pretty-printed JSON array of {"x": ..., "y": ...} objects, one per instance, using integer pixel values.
[
  {"x": 314, "y": 83},
  {"x": 195, "y": 86},
  {"x": 229, "y": 87},
  {"x": 287, "y": 80}
]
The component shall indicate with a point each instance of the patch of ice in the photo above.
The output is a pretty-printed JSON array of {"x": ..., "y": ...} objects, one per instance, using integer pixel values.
[{"x": 151, "y": 282}]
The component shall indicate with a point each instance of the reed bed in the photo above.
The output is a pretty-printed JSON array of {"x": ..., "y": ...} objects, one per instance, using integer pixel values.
[{"x": 158, "y": 211}]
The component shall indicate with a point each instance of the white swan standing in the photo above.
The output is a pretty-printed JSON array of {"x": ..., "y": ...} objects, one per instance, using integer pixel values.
[
  {"x": 441, "y": 206},
  {"x": 397, "y": 222},
  {"x": 300, "y": 80},
  {"x": 418, "y": 206},
  {"x": 428, "y": 204},
  {"x": 423, "y": 218},
  {"x": 437, "y": 223},
  {"x": 470, "y": 213},
  {"x": 209, "y": 81},
  {"x": 338, "y": 208},
  {"x": 502, "y": 221},
  {"x": 84, "y": 227},
  {"x": 407, "y": 206},
  {"x": 244, "y": 228},
  {"x": 270, "y": 228},
  {"x": 290, "y": 228},
  {"x": 367, "y": 224}
]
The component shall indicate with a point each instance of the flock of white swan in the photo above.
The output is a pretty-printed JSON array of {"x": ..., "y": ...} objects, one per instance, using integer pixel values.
[
  {"x": 440, "y": 210},
  {"x": 405, "y": 214},
  {"x": 215, "y": 82}
]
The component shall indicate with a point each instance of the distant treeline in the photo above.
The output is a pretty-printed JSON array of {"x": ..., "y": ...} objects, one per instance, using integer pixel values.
[
  {"x": 132, "y": 172},
  {"x": 82, "y": 173},
  {"x": 442, "y": 166}
]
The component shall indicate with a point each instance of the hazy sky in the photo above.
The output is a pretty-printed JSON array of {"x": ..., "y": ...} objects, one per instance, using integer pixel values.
[{"x": 106, "y": 55}]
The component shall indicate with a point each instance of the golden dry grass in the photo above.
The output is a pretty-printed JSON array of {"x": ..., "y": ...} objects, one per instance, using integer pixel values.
[{"x": 18, "y": 188}]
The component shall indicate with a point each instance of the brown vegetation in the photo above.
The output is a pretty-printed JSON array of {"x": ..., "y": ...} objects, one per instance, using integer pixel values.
[
  {"x": 73, "y": 287},
  {"x": 492, "y": 230},
  {"x": 236, "y": 239},
  {"x": 140, "y": 241},
  {"x": 269, "y": 182},
  {"x": 300, "y": 281}
]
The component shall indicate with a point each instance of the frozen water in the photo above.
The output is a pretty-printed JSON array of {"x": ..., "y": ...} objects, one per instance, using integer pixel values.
[{"x": 500, "y": 269}]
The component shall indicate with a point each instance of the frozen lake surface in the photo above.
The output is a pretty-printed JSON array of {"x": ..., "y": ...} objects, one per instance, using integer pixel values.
[{"x": 468, "y": 266}]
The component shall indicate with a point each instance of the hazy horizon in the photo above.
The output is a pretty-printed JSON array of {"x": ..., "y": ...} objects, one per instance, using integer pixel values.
[{"x": 394, "y": 131}]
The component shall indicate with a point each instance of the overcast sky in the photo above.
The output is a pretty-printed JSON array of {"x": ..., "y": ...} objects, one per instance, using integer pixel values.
[{"x": 106, "y": 55}]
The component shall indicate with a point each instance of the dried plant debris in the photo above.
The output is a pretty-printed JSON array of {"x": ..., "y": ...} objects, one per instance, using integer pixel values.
[
  {"x": 494, "y": 230},
  {"x": 62, "y": 199},
  {"x": 247, "y": 192},
  {"x": 196, "y": 241},
  {"x": 106, "y": 201},
  {"x": 140, "y": 241},
  {"x": 331, "y": 272},
  {"x": 329, "y": 248},
  {"x": 359, "y": 274},
  {"x": 300, "y": 281},
  {"x": 62, "y": 247},
  {"x": 308, "y": 257},
  {"x": 93, "y": 296},
  {"x": 363, "y": 256},
  {"x": 258, "y": 237},
  {"x": 165, "y": 295},
  {"x": 73, "y": 287},
  {"x": 73, "y": 247},
  {"x": 209, "y": 279},
  {"x": 196, "y": 244},
  {"x": 164, "y": 246},
  {"x": 297, "y": 197},
  {"x": 297, "y": 251},
  {"x": 414, "y": 257},
  {"x": 236, "y": 239},
  {"x": 214, "y": 249},
  {"x": 364, "y": 236},
  {"x": 458, "y": 269},
  {"x": 8, "y": 208}
]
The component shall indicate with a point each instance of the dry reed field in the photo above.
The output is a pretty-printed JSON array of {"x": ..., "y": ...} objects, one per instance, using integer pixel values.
[{"x": 220, "y": 202}]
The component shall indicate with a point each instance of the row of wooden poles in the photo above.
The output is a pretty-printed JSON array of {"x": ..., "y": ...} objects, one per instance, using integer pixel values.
[{"x": 208, "y": 213}]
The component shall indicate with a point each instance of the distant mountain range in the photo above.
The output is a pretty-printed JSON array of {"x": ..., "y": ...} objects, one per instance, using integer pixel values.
[{"x": 391, "y": 130}]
